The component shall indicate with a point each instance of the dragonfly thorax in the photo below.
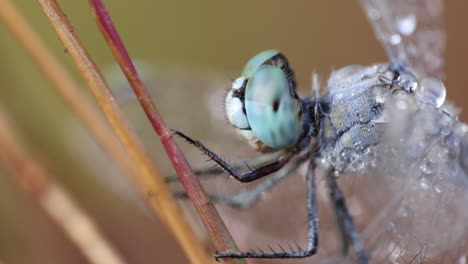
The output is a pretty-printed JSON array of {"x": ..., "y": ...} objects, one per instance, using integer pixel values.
[
  {"x": 353, "y": 125},
  {"x": 356, "y": 98}
]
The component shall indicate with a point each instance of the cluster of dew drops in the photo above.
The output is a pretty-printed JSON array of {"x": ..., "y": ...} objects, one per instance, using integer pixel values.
[{"x": 354, "y": 160}]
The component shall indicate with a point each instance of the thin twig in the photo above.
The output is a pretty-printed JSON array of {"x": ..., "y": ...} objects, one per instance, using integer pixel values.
[
  {"x": 149, "y": 181},
  {"x": 79, "y": 228},
  {"x": 64, "y": 84},
  {"x": 205, "y": 208}
]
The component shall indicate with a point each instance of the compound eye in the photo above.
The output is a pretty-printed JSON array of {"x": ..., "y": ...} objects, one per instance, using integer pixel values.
[
  {"x": 273, "y": 107},
  {"x": 258, "y": 60}
]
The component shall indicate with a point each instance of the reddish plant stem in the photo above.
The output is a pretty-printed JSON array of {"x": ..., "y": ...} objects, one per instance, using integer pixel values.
[
  {"x": 148, "y": 179},
  {"x": 212, "y": 221}
]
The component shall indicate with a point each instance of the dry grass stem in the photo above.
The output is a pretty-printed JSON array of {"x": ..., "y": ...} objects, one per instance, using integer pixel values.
[
  {"x": 205, "y": 208},
  {"x": 64, "y": 84},
  {"x": 149, "y": 181},
  {"x": 79, "y": 228}
]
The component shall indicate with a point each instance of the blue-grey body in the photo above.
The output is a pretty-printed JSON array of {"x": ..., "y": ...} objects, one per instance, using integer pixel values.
[
  {"x": 351, "y": 124},
  {"x": 366, "y": 119}
]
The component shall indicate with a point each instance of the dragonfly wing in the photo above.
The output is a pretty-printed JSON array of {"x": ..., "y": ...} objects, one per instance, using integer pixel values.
[
  {"x": 411, "y": 32},
  {"x": 415, "y": 200}
]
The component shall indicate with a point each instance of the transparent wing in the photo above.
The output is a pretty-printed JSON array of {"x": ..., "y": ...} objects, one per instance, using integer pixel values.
[
  {"x": 415, "y": 200},
  {"x": 411, "y": 32},
  {"x": 415, "y": 208}
]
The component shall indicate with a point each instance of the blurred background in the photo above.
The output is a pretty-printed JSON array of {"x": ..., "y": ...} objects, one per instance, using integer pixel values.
[{"x": 188, "y": 53}]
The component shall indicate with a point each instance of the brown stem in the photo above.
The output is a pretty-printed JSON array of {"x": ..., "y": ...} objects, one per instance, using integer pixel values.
[
  {"x": 63, "y": 82},
  {"x": 149, "y": 181},
  {"x": 78, "y": 227},
  {"x": 212, "y": 221}
]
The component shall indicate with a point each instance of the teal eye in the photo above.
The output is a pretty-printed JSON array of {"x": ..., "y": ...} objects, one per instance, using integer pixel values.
[
  {"x": 259, "y": 59},
  {"x": 272, "y": 106}
]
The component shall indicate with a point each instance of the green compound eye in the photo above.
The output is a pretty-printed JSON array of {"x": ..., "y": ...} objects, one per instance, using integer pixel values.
[
  {"x": 253, "y": 64},
  {"x": 272, "y": 106}
]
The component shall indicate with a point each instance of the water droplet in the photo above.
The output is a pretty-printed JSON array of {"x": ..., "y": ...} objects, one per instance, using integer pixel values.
[
  {"x": 358, "y": 165},
  {"x": 366, "y": 151},
  {"x": 395, "y": 39},
  {"x": 406, "y": 25},
  {"x": 323, "y": 161},
  {"x": 433, "y": 90},
  {"x": 408, "y": 81},
  {"x": 344, "y": 153},
  {"x": 424, "y": 184},
  {"x": 427, "y": 166}
]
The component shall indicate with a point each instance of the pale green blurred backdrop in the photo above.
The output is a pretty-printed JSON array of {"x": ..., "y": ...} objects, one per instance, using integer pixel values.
[{"x": 197, "y": 37}]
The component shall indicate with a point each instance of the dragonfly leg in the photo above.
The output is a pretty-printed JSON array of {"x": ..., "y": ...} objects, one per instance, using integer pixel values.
[
  {"x": 312, "y": 229},
  {"x": 345, "y": 221},
  {"x": 252, "y": 162},
  {"x": 242, "y": 177},
  {"x": 246, "y": 199}
]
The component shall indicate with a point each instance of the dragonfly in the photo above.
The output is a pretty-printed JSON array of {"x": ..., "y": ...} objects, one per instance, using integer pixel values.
[{"x": 388, "y": 120}]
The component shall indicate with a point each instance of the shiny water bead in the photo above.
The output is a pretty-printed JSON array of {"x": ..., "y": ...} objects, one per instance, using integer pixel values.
[
  {"x": 408, "y": 82},
  {"x": 406, "y": 25},
  {"x": 433, "y": 90},
  {"x": 258, "y": 60},
  {"x": 273, "y": 108}
]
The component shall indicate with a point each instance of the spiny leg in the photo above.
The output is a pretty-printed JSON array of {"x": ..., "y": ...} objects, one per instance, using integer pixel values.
[
  {"x": 345, "y": 221},
  {"x": 242, "y": 177},
  {"x": 252, "y": 162},
  {"x": 248, "y": 198},
  {"x": 312, "y": 228}
]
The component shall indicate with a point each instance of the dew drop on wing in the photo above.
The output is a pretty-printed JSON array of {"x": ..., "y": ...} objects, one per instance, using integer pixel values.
[
  {"x": 395, "y": 39},
  {"x": 406, "y": 25},
  {"x": 433, "y": 91},
  {"x": 419, "y": 186},
  {"x": 411, "y": 32}
]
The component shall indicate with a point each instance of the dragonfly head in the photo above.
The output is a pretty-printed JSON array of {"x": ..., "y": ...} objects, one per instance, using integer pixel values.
[{"x": 263, "y": 103}]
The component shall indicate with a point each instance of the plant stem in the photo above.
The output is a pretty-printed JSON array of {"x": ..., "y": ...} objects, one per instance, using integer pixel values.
[
  {"x": 205, "y": 208},
  {"x": 149, "y": 181},
  {"x": 33, "y": 179},
  {"x": 63, "y": 82}
]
